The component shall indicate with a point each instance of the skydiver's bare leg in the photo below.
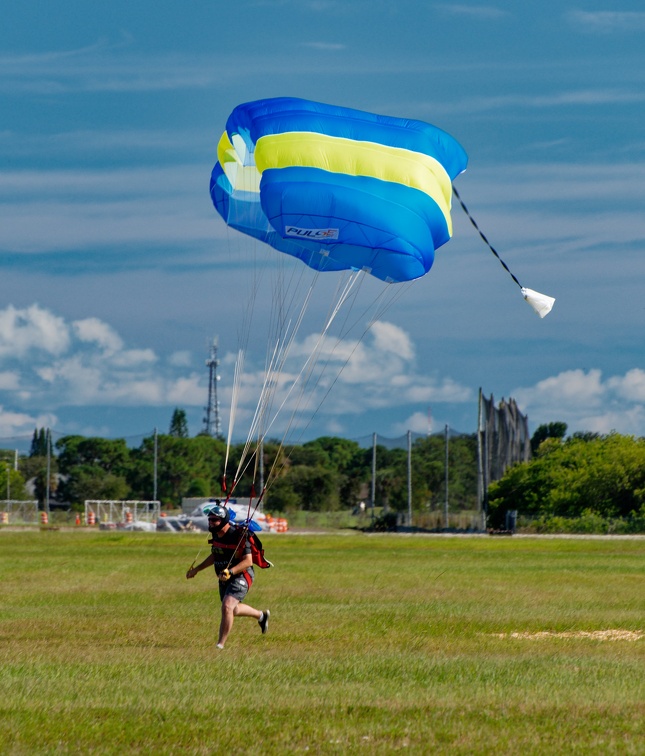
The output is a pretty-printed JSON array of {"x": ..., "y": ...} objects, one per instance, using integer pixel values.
[
  {"x": 231, "y": 608},
  {"x": 244, "y": 610}
]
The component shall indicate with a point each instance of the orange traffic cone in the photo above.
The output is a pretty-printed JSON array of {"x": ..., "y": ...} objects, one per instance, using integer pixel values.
[{"x": 78, "y": 519}]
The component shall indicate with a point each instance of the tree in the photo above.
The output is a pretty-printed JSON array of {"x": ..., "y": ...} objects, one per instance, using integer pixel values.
[
  {"x": 314, "y": 489},
  {"x": 178, "y": 424},
  {"x": 40, "y": 484},
  {"x": 92, "y": 468},
  {"x": 39, "y": 443},
  {"x": 12, "y": 483},
  {"x": 92, "y": 482},
  {"x": 604, "y": 476},
  {"x": 111, "y": 455},
  {"x": 547, "y": 430},
  {"x": 349, "y": 460},
  {"x": 184, "y": 466}
]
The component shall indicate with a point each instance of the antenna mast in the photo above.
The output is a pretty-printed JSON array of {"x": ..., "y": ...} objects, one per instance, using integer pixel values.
[{"x": 212, "y": 423}]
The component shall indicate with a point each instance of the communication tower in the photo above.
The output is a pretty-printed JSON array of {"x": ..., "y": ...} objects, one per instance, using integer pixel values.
[{"x": 212, "y": 423}]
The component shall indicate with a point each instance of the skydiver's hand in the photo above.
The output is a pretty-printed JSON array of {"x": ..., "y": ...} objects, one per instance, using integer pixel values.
[{"x": 225, "y": 575}]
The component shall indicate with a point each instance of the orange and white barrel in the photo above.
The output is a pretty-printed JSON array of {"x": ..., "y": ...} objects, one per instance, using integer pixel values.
[
  {"x": 91, "y": 518},
  {"x": 4, "y": 518},
  {"x": 44, "y": 518},
  {"x": 128, "y": 517}
]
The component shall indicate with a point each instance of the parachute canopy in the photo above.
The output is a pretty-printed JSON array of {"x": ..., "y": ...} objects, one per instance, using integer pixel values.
[{"x": 338, "y": 188}]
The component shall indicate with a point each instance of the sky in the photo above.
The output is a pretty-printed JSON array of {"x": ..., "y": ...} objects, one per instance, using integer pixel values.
[{"x": 116, "y": 273}]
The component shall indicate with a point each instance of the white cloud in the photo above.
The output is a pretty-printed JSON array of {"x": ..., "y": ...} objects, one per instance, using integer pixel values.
[
  {"x": 91, "y": 366},
  {"x": 631, "y": 386},
  {"x": 81, "y": 363},
  {"x": 9, "y": 381},
  {"x": 93, "y": 69},
  {"x": 32, "y": 328},
  {"x": 350, "y": 378},
  {"x": 182, "y": 358},
  {"x": 189, "y": 390},
  {"x": 585, "y": 97},
  {"x": 417, "y": 422},
  {"x": 132, "y": 358},
  {"x": 324, "y": 46},
  {"x": 587, "y": 402},
  {"x": 16, "y": 424},
  {"x": 605, "y": 22},
  {"x": 474, "y": 11},
  {"x": 50, "y": 211},
  {"x": 573, "y": 387},
  {"x": 390, "y": 339},
  {"x": 94, "y": 330}
]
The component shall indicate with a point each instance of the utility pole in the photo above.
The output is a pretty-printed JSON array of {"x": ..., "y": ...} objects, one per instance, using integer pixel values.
[
  {"x": 373, "y": 491},
  {"x": 154, "y": 467},
  {"x": 212, "y": 423},
  {"x": 49, "y": 468},
  {"x": 445, "y": 506},
  {"x": 410, "y": 479}
]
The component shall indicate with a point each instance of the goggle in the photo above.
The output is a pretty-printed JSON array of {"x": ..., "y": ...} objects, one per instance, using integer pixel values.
[{"x": 213, "y": 510}]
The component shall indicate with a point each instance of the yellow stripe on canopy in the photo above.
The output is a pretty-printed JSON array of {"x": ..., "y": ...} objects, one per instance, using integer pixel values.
[{"x": 354, "y": 158}]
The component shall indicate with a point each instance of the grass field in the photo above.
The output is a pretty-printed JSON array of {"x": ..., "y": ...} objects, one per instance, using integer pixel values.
[{"x": 377, "y": 644}]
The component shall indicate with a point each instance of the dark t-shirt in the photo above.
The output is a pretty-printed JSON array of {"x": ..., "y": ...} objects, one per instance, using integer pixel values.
[{"x": 232, "y": 543}]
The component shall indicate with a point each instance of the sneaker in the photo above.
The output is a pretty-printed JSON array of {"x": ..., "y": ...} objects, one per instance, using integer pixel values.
[
  {"x": 264, "y": 622},
  {"x": 219, "y": 645}
]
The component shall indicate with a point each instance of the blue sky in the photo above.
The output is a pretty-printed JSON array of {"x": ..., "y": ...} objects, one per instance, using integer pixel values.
[{"x": 116, "y": 273}]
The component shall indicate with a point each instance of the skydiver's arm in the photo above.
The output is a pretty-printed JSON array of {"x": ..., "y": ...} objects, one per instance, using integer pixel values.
[
  {"x": 242, "y": 565},
  {"x": 208, "y": 562}
]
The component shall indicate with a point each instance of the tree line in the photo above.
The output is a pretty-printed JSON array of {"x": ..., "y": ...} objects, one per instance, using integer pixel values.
[
  {"x": 585, "y": 475},
  {"x": 326, "y": 474}
]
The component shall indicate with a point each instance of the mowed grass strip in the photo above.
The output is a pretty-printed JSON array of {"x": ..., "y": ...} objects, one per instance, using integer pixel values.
[{"x": 376, "y": 644}]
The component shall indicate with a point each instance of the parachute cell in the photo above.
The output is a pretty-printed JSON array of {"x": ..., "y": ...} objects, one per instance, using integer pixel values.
[{"x": 338, "y": 188}]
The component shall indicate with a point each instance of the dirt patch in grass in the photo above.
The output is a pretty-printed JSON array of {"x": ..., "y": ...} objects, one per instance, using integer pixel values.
[{"x": 602, "y": 635}]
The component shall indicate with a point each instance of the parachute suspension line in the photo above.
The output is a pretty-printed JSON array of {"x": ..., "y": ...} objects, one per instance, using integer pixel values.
[
  {"x": 398, "y": 290},
  {"x": 307, "y": 370},
  {"x": 284, "y": 336},
  {"x": 274, "y": 368},
  {"x": 275, "y": 363},
  {"x": 239, "y": 365},
  {"x": 273, "y": 385},
  {"x": 485, "y": 240},
  {"x": 257, "y": 416}
]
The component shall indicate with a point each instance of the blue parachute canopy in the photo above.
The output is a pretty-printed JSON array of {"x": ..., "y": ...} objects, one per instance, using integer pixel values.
[{"x": 338, "y": 188}]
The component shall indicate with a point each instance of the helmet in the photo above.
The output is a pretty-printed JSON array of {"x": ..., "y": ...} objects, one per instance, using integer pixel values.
[{"x": 215, "y": 508}]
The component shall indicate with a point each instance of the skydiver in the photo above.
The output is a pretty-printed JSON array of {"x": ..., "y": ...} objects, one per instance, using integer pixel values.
[{"x": 231, "y": 555}]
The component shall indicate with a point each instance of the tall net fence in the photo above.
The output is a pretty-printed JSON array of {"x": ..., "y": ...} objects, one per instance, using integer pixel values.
[
  {"x": 503, "y": 441},
  {"x": 401, "y": 442},
  {"x": 436, "y": 500}
]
